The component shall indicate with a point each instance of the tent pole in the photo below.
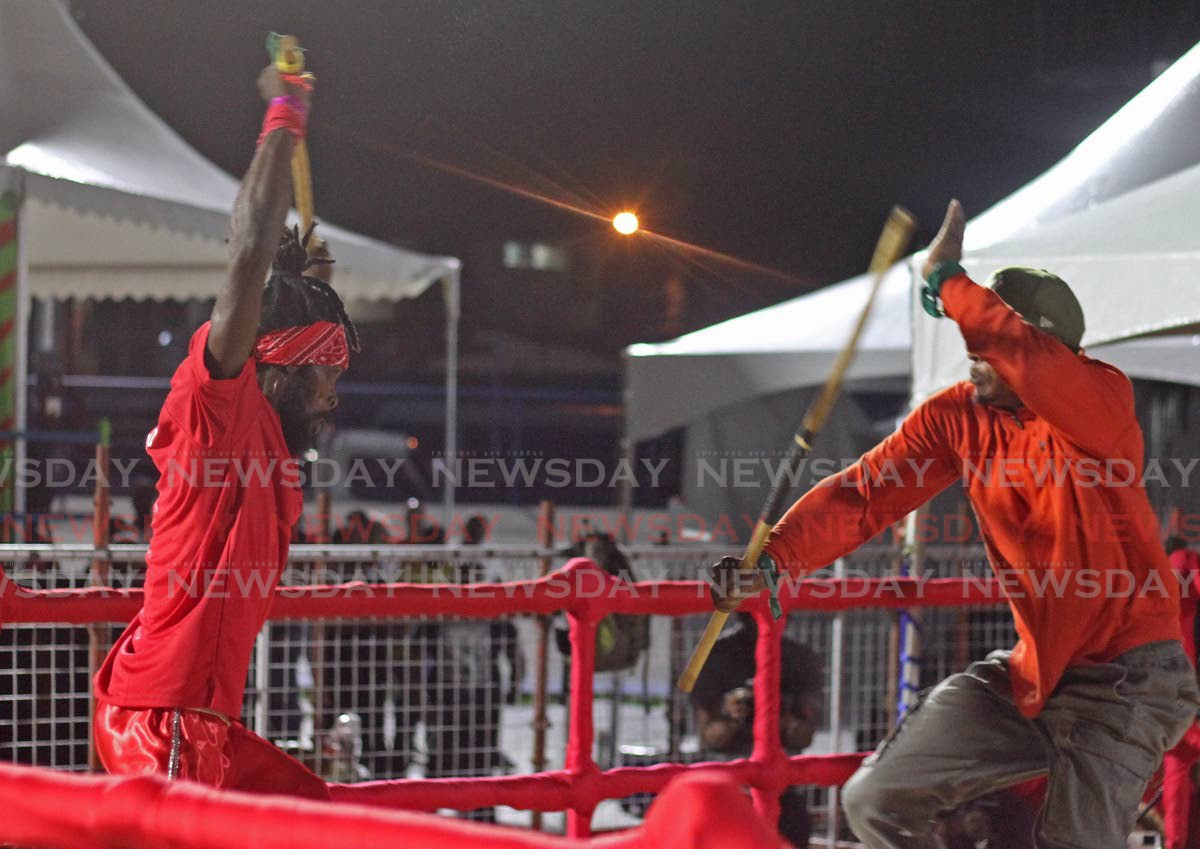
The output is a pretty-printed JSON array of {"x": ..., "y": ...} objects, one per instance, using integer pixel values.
[
  {"x": 911, "y": 561},
  {"x": 10, "y": 337},
  {"x": 21, "y": 338},
  {"x": 452, "y": 294},
  {"x": 628, "y": 450}
]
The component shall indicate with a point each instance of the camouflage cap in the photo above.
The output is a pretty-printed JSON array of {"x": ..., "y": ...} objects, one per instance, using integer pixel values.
[{"x": 1042, "y": 299}]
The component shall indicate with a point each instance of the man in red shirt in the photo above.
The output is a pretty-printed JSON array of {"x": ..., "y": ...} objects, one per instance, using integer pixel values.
[
  {"x": 1046, "y": 442},
  {"x": 1178, "y": 797},
  {"x": 255, "y": 389}
]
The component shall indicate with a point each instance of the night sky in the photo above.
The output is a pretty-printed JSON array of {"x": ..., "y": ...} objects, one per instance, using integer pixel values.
[{"x": 779, "y": 132}]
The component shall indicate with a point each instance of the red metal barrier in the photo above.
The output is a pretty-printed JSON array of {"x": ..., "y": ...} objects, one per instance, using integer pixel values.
[
  {"x": 586, "y": 594},
  {"x": 550, "y": 594}
]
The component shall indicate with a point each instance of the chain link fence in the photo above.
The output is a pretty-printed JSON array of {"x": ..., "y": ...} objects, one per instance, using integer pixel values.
[{"x": 369, "y": 699}]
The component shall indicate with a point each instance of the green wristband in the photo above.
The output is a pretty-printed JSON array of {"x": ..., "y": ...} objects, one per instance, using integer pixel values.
[
  {"x": 770, "y": 574},
  {"x": 931, "y": 291}
]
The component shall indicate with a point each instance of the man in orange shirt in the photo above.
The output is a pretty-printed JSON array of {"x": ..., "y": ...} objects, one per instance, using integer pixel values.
[{"x": 1047, "y": 445}]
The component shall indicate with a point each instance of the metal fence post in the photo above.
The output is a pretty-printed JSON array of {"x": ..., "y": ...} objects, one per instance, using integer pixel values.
[
  {"x": 262, "y": 673},
  {"x": 910, "y": 621},
  {"x": 837, "y": 649},
  {"x": 99, "y": 633},
  {"x": 546, "y": 540}
]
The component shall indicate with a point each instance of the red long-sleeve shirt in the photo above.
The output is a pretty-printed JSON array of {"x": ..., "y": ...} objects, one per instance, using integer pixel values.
[
  {"x": 1056, "y": 488},
  {"x": 1185, "y": 564}
]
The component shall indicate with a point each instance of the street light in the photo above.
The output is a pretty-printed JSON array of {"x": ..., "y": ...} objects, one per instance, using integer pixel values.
[{"x": 625, "y": 223}]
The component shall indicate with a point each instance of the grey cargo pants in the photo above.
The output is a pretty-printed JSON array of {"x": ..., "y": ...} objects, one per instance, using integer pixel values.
[{"x": 1099, "y": 739}]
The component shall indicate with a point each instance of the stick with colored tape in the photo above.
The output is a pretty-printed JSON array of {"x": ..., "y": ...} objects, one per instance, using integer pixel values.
[
  {"x": 893, "y": 241},
  {"x": 288, "y": 57}
]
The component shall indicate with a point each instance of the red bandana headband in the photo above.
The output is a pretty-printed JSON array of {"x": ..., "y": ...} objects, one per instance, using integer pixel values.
[{"x": 322, "y": 343}]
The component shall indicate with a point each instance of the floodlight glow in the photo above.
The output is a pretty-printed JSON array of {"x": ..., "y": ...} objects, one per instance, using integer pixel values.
[{"x": 625, "y": 223}]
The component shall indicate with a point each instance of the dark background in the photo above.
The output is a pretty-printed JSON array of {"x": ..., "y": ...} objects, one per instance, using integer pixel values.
[
  {"x": 779, "y": 132},
  {"x": 775, "y": 132}
]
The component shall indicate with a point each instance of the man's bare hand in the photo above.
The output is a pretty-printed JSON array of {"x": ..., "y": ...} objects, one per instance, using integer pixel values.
[
  {"x": 730, "y": 584},
  {"x": 271, "y": 84},
  {"x": 947, "y": 244}
]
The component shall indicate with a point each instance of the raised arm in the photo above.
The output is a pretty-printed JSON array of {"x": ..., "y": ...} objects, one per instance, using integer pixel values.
[
  {"x": 848, "y": 509},
  {"x": 258, "y": 217},
  {"x": 1089, "y": 402}
]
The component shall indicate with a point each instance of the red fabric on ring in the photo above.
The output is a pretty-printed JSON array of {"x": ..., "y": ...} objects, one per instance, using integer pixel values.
[{"x": 699, "y": 810}]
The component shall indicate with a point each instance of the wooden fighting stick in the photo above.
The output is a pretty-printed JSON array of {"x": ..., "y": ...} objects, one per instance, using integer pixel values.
[
  {"x": 897, "y": 232},
  {"x": 288, "y": 58}
]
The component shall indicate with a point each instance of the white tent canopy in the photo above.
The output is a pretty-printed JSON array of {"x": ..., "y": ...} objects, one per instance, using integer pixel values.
[
  {"x": 116, "y": 205},
  {"x": 787, "y": 346},
  {"x": 1131, "y": 252},
  {"x": 792, "y": 345},
  {"x": 120, "y": 205},
  {"x": 1150, "y": 137},
  {"x": 1134, "y": 263}
]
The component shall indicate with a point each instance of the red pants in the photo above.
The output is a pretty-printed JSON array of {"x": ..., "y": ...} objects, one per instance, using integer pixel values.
[
  {"x": 1177, "y": 788},
  {"x": 138, "y": 741}
]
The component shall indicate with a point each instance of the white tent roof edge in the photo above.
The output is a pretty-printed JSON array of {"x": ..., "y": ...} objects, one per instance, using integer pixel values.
[
  {"x": 148, "y": 211},
  {"x": 1145, "y": 144},
  {"x": 1055, "y": 193},
  {"x": 367, "y": 269},
  {"x": 81, "y": 138}
]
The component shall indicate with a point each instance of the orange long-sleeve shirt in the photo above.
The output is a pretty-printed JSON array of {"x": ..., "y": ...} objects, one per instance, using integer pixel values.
[{"x": 1055, "y": 484}]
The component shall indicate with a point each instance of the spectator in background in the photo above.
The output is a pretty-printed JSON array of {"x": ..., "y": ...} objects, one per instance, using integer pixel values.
[
  {"x": 360, "y": 529},
  {"x": 39, "y": 530},
  {"x": 44, "y": 668},
  {"x": 136, "y": 528},
  {"x": 372, "y": 665},
  {"x": 1179, "y": 792},
  {"x": 463, "y": 684},
  {"x": 1001, "y": 820},
  {"x": 723, "y": 700},
  {"x": 420, "y": 528}
]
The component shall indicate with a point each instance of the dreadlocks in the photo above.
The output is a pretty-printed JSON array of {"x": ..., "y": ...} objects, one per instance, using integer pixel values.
[{"x": 292, "y": 299}]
